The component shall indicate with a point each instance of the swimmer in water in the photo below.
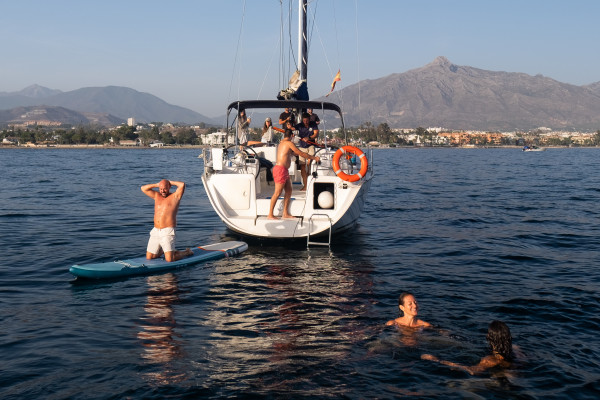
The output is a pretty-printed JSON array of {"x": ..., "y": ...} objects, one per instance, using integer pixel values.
[
  {"x": 500, "y": 342},
  {"x": 410, "y": 309}
]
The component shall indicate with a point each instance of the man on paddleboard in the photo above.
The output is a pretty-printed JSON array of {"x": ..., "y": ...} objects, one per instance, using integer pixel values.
[
  {"x": 166, "y": 204},
  {"x": 281, "y": 175}
]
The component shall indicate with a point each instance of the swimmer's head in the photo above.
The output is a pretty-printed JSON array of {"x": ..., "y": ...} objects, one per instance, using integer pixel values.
[
  {"x": 499, "y": 339},
  {"x": 408, "y": 302},
  {"x": 402, "y": 296}
]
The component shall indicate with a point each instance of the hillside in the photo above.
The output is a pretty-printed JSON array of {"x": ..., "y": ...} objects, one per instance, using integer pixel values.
[
  {"x": 438, "y": 94},
  {"x": 460, "y": 97},
  {"x": 51, "y": 114},
  {"x": 118, "y": 101}
]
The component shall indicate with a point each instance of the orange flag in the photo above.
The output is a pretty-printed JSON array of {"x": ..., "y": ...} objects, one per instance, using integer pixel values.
[{"x": 337, "y": 78}]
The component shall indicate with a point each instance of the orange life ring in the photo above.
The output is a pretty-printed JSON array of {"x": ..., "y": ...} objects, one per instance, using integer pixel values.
[{"x": 364, "y": 164}]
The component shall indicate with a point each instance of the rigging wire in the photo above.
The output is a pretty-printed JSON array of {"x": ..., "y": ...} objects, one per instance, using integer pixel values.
[
  {"x": 357, "y": 56},
  {"x": 268, "y": 69},
  {"x": 312, "y": 28},
  {"x": 337, "y": 45},
  {"x": 292, "y": 55}
]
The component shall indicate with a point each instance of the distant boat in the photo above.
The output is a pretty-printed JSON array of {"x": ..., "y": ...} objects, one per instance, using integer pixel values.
[
  {"x": 238, "y": 181},
  {"x": 533, "y": 148}
]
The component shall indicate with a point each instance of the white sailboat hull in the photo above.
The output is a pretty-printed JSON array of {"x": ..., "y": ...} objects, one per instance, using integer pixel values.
[{"x": 241, "y": 198}]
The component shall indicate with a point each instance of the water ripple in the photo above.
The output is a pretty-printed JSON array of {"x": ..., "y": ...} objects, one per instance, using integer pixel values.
[{"x": 477, "y": 235}]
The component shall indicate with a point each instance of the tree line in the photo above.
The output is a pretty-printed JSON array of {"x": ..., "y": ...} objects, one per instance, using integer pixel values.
[
  {"x": 94, "y": 135},
  {"x": 185, "y": 135}
]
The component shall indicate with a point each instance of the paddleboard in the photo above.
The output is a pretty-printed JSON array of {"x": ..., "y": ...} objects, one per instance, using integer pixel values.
[{"x": 143, "y": 266}]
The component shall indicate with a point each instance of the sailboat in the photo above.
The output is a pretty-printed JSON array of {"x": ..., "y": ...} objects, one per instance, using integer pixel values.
[{"x": 239, "y": 185}]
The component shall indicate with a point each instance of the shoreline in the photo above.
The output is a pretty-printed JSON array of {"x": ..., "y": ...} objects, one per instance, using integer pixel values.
[
  {"x": 199, "y": 146},
  {"x": 101, "y": 147}
]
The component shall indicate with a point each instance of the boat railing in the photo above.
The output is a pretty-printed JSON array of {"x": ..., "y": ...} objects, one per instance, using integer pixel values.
[{"x": 232, "y": 159}]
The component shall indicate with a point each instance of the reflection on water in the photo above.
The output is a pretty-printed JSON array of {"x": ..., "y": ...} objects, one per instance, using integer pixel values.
[
  {"x": 301, "y": 304},
  {"x": 476, "y": 235},
  {"x": 157, "y": 334}
]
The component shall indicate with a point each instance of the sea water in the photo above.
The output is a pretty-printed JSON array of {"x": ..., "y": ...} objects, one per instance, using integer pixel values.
[{"x": 475, "y": 234}]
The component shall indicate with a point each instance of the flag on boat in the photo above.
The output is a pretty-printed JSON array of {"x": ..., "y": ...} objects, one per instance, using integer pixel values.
[{"x": 337, "y": 78}]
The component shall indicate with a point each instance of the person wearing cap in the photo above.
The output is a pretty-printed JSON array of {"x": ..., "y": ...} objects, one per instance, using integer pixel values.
[{"x": 267, "y": 136}]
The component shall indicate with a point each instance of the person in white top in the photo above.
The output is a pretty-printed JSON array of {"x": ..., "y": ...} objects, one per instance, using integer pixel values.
[{"x": 267, "y": 136}]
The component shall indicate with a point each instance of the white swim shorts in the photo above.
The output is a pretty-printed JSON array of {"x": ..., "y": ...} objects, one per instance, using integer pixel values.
[{"x": 161, "y": 238}]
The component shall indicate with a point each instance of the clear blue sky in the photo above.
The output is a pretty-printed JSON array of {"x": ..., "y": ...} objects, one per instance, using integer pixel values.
[{"x": 185, "y": 51}]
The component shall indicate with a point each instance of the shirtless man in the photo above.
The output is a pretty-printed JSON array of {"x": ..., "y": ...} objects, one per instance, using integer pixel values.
[
  {"x": 281, "y": 175},
  {"x": 166, "y": 204}
]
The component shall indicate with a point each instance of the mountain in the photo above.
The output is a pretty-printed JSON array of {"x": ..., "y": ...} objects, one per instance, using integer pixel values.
[
  {"x": 438, "y": 94},
  {"x": 51, "y": 114},
  {"x": 460, "y": 97},
  {"x": 33, "y": 91},
  {"x": 594, "y": 87},
  {"x": 119, "y": 101}
]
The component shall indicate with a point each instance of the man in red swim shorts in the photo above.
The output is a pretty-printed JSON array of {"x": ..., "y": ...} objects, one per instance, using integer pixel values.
[{"x": 281, "y": 175}]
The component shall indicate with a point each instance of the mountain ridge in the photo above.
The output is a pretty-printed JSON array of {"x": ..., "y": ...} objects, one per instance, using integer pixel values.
[
  {"x": 48, "y": 115},
  {"x": 438, "y": 94},
  {"x": 461, "y": 97},
  {"x": 119, "y": 101}
]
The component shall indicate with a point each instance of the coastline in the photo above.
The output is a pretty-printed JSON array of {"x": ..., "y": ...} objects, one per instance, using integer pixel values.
[
  {"x": 190, "y": 146},
  {"x": 101, "y": 147}
]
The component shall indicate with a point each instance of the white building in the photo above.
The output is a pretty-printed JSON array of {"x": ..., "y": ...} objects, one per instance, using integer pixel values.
[
  {"x": 131, "y": 121},
  {"x": 217, "y": 139}
]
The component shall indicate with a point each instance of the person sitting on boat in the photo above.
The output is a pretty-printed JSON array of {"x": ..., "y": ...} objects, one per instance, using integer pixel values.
[
  {"x": 267, "y": 136},
  {"x": 313, "y": 117},
  {"x": 166, "y": 205},
  {"x": 307, "y": 132},
  {"x": 286, "y": 116},
  {"x": 410, "y": 309},
  {"x": 243, "y": 123},
  {"x": 281, "y": 174},
  {"x": 500, "y": 342}
]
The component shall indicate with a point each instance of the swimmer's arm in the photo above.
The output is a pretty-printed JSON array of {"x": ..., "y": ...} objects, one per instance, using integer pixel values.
[
  {"x": 485, "y": 363},
  {"x": 518, "y": 353},
  {"x": 390, "y": 322},
  {"x": 429, "y": 357},
  {"x": 147, "y": 189}
]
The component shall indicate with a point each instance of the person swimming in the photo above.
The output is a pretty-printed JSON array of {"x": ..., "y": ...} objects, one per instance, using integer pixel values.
[
  {"x": 500, "y": 341},
  {"x": 410, "y": 309}
]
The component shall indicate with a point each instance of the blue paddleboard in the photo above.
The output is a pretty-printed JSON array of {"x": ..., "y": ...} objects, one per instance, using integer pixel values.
[{"x": 142, "y": 266}]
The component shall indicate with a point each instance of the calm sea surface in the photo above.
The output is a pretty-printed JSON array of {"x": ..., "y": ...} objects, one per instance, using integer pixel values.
[{"x": 476, "y": 234}]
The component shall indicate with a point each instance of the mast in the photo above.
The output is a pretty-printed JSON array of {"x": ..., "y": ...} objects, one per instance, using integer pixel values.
[
  {"x": 302, "y": 41},
  {"x": 303, "y": 47}
]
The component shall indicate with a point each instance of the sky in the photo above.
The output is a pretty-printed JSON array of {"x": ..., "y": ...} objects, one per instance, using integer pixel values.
[{"x": 203, "y": 54}]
